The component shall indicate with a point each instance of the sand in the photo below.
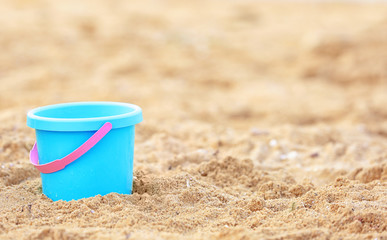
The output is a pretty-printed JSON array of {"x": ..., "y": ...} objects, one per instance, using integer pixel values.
[{"x": 262, "y": 120}]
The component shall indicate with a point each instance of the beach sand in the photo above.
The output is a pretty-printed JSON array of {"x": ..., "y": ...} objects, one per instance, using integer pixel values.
[{"x": 261, "y": 120}]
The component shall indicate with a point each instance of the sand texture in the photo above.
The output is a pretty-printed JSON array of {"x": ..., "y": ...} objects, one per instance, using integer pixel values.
[{"x": 261, "y": 120}]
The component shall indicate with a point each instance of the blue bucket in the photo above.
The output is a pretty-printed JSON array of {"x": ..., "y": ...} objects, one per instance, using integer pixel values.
[{"x": 84, "y": 149}]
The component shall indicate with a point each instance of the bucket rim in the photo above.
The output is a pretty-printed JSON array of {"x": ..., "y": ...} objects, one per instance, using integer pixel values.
[{"x": 132, "y": 117}]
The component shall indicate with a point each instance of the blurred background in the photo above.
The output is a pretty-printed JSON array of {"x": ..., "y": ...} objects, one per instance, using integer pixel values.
[{"x": 239, "y": 63}]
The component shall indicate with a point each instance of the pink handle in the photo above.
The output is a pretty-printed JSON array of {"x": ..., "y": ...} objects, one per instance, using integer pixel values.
[{"x": 59, "y": 164}]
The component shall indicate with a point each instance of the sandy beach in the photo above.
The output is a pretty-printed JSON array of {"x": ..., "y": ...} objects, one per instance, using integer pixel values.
[{"x": 262, "y": 120}]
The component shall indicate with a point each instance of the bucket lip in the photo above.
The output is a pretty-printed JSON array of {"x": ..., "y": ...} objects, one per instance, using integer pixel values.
[{"x": 132, "y": 117}]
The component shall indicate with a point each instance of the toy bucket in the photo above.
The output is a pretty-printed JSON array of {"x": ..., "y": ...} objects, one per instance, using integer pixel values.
[{"x": 84, "y": 149}]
